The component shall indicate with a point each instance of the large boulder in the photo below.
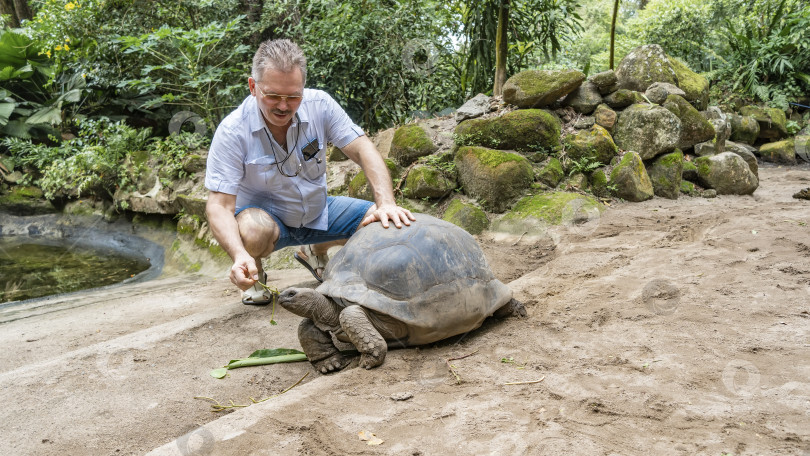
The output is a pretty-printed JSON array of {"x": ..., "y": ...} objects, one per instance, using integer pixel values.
[
  {"x": 425, "y": 181},
  {"x": 745, "y": 151},
  {"x": 467, "y": 216},
  {"x": 772, "y": 121},
  {"x": 540, "y": 88},
  {"x": 474, "y": 107},
  {"x": 584, "y": 99},
  {"x": 594, "y": 145},
  {"x": 630, "y": 180},
  {"x": 649, "y": 130},
  {"x": 555, "y": 207},
  {"x": 643, "y": 66},
  {"x": 783, "y": 152},
  {"x": 694, "y": 127},
  {"x": 493, "y": 177},
  {"x": 648, "y": 64},
  {"x": 411, "y": 142},
  {"x": 524, "y": 130},
  {"x": 694, "y": 85},
  {"x": 744, "y": 129},
  {"x": 722, "y": 127},
  {"x": 727, "y": 173},
  {"x": 665, "y": 174}
]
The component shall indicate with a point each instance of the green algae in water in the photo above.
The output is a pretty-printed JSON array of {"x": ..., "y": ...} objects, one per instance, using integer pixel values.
[{"x": 32, "y": 270}]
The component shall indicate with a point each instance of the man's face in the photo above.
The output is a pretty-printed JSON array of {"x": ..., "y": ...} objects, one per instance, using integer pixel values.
[{"x": 272, "y": 93}]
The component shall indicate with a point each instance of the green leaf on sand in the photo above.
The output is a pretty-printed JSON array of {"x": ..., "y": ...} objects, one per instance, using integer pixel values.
[
  {"x": 219, "y": 373},
  {"x": 260, "y": 358}
]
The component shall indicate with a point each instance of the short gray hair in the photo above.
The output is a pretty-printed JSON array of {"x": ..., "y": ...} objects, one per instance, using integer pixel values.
[{"x": 280, "y": 55}]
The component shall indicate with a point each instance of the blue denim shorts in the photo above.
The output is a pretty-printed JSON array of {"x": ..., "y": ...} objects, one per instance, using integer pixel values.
[{"x": 345, "y": 215}]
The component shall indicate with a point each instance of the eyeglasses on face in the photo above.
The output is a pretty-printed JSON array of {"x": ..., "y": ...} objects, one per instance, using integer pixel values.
[{"x": 276, "y": 98}]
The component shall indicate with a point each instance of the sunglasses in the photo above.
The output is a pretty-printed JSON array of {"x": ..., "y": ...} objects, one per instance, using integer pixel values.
[{"x": 276, "y": 98}]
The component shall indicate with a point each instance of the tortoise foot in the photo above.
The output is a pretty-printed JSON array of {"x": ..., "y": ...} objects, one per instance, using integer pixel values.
[
  {"x": 364, "y": 336},
  {"x": 320, "y": 350},
  {"x": 334, "y": 363},
  {"x": 513, "y": 308}
]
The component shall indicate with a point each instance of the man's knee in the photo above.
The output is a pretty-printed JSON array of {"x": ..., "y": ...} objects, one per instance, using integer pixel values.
[{"x": 258, "y": 230}]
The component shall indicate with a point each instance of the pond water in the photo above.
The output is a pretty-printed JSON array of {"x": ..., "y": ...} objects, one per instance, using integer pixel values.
[{"x": 32, "y": 270}]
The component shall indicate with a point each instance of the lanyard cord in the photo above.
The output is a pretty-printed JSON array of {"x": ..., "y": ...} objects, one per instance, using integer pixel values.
[{"x": 289, "y": 154}]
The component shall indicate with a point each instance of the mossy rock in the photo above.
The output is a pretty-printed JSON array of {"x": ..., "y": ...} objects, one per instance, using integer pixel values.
[
  {"x": 525, "y": 130},
  {"x": 650, "y": 130},
  {"x": 772, "y": 121},
  {"x": 599, "y": 183},
  {"x": 606, "y": 81},
  {"x": 584, "y": 99},
  {"x": 783, "y": 152},
  {"x": 540, "y": 88},
  {"x": 630, "y": 179},
  {"x": 425, "y": 181},
  {"x": 744, "y": 129},
  {"x": 694, "y": 127},
  {"x": 410, "y": 142},
  {"x": 688, "y": 188},
  {"x": 643, "y": 66},
  {"x": 334, "y": 154},
  {"x": 359, "y": 187},
  {"x": 577, "y": 181},
  {"x": 605, "y": 117},
  {"x": 665, "y": 174},
  {"x": 493, "y": 177},
  {"x": 551, "y": 172},
  {"x": 25, "y": 200},
  {"x": 594, "y": 145},
  {"x": 195, "y": 163},
  {"x": 727, "y": 173},
  {"x": 553, "y": 208},
  {"x": 621, "y": 98},
  {"x": 694, "y": 85},
  {"x": 689, "y": 171},
  {"x": 467, "y": 216}
]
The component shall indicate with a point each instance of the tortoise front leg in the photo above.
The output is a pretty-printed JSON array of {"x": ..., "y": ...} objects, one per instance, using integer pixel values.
[
  {"x": 364, "y": 336},
  {"x": 320, "y": 350}
]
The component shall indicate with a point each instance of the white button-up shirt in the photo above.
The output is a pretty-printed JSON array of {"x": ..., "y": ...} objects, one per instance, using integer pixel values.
[{"x": 244, "y": 159}]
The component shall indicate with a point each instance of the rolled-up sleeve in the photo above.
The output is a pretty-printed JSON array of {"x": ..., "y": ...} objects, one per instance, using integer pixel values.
[
  {"x": 340, "y": 129},
  {"x": 225, "y": 164}
]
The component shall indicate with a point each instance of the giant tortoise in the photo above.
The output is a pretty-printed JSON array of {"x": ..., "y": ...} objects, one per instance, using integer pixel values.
[{"x": 397, "y": 287}]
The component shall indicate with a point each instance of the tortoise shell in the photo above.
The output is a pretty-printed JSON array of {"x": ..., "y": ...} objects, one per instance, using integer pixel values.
[{"x": 432, "y": 276}]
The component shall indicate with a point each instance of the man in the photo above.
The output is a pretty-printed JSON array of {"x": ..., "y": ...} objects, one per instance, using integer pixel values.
[{"x": 266, "y": 173}]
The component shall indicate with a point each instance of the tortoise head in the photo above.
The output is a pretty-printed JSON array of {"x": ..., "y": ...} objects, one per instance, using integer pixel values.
[{"x": 304, "y": 302}]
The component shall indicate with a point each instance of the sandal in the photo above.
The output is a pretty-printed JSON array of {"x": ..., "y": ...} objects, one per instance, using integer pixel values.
[
  {"x": 257, "y": 295},
  {"x": 312, "y": 262}
]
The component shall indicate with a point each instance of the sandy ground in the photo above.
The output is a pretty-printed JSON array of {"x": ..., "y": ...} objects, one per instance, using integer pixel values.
[{"x": 664, "y": 327}]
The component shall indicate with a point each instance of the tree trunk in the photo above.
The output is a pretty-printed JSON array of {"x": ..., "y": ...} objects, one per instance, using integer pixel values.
[
  {"x": 613, "y": 30},
  {"x": 17, "y": 9},
  {"x": 501, "y": 48}
]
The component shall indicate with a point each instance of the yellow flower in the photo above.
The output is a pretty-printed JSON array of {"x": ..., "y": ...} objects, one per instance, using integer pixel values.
[
  {"x": 57, "y": 48},
  {"x": 67, "y": 48},
  {"x": 70, "y": 5},
  {"x": 84, "y": 75},
  {"x": 67, "y": 39},
  {"x": 48, "y": 53}
]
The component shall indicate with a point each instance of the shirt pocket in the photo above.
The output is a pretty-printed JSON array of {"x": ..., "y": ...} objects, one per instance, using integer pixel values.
[
  {"x": 315, "y": 167},
  {"x": 261, "y": 174}
]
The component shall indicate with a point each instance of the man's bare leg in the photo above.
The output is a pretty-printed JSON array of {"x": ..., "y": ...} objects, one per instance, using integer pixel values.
[{"x": 259, "y": 234}]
